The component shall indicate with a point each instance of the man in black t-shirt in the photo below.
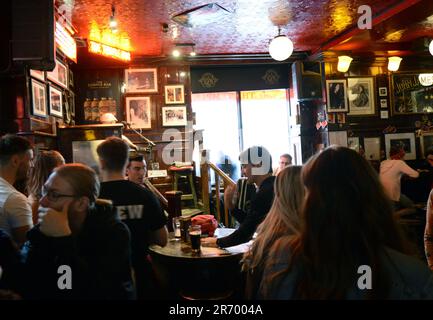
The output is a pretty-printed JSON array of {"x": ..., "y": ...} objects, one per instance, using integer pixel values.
[{"x": 138, "y": 208}]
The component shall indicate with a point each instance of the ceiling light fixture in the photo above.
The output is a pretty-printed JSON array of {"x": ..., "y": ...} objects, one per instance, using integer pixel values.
[
  {"x": 113, "y": 21},
  {"x": 344, "y": 63},
  {"x": 281, "y": 47},
  {"x": 177, "y": 52},
  {"x": 394, "y": 63},
  {"x": 430, "y": 47}
]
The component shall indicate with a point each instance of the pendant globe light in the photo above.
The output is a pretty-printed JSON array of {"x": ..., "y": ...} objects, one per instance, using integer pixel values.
[{"x": 280, "y": 47}]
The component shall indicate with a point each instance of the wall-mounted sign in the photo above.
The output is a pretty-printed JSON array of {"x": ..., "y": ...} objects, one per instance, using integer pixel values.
[
  {"x": 410, "y": 95},
  {"x": 65, "y": 42},
  {"x": 108, "y": 51},
  {"x": 426, "y": 79}
]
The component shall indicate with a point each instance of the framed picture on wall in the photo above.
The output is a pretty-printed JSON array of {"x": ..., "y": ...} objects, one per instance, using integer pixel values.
[
  {"x": 353, "y": 143},
  {"x": 174, "y": 116},
  {"x": 426, "y": 142},
  {"x": 138, "y": 112},
  {"x": 56, "y": 102},
  {"x": 141, "y": 80},
  {"x": 361, "y": 96},
  {"x": 401, "y": 140},
  {"x": 174, "y": 94},
  {"x": 37, "y": 74},
  {"x": 39, "y": 99},
  {"x": 372, "y": 148},
  {"x": 383, "y": 91},
  {"x": 338, "y": 138},
  {"x": 336, "y": 93},
  {"x": 59, "y": 75}
]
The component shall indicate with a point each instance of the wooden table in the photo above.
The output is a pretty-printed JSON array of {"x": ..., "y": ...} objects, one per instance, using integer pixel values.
[{"x": 212, "y": 273}]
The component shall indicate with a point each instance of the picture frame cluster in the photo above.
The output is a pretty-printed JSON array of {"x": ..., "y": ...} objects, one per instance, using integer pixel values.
[
  {"x": 47, "y": 90},
  {"x": 138, "y": 107}
]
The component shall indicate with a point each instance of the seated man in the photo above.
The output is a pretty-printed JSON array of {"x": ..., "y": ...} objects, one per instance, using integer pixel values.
[
  {"x": 16, "y": 155},
  {"x": 285, "y": 160},
  {"x": 136, "y": 170},
  {"x": 256, "y": 165},
  {"x": 390, "y": 174},
  {"x": 80, "y": 249}
]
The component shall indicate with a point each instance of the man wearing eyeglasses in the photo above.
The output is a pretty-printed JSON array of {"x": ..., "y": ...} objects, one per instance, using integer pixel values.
[
  {"x": 80, "y": 249},
  {"x": 16, "y": 155}
]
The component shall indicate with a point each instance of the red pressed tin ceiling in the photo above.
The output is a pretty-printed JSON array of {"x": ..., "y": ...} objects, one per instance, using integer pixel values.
[{"x": 312, "y": 24}]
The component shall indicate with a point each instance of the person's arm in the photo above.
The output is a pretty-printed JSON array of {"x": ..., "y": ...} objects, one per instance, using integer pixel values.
[
  {"x": 428, "y": 232},
  {"x": 19, "y": 215},
  {"x": 404, "y": 168},
  {"x": 159, "y": 237},
  {"x": 157, "y": 220}
]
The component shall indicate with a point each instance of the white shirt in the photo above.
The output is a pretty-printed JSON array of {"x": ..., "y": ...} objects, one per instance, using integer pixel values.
[
  {"x": 15, "y": 211},
  {"x": 390, "y": 175}
]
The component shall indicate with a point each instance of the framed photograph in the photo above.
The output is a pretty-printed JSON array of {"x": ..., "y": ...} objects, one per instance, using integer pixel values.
[
  {"x": 174, "y": 94},
  {"x": 383, "y": 91},
  {"x": 372, "y": 148},
  {"x": 341, "y": 117},
  {"x": 71, "y": 99},
  {"x": 39, "y": 99},
  {"x": 141, "y": 80},
  {"x": 383, "y": 103},
  {"x": 336, "y": 93},
  {"x": 338, "y": 138},
  {"x": 426, "y": 142},
  {"x": 331, "y": 117},
  {"x": 56, "y": 102},
  {"x": 174, "y": 116},
  {"x": 138, "y": 112},
  {"x": 59, "y": 75},
  {"x": 384, "y": 114},
  {"x": 353, "y": 143},
  {"x": 71, "y": 78},
  {"x": 38, "y": 74},
  {"x": 361, "y": 96},
  {"x": 401, "y": 140}
]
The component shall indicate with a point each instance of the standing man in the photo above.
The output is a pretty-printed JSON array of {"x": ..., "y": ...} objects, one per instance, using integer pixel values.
[
  {"x": 16, "y": 155},
  {"x": 138, "y": 208},
  {"x": 136, "y": 169},
  {"x": 256, "y": 165},
  {"x": 285, "y": 160},
  {"x": 391, "y": 172}
]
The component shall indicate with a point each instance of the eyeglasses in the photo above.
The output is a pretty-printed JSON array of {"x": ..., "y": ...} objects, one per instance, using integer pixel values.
[{"x": 53, "y": 195}]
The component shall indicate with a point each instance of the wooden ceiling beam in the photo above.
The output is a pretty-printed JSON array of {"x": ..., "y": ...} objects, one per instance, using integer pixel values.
[{"x": 380, "y": 18}]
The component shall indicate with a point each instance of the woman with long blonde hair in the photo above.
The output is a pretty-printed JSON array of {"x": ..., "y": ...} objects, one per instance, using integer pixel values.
[{"x": 279, "y": 227}]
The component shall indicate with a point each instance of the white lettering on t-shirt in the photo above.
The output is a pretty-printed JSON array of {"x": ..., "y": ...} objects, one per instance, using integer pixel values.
[{"x": 130, "y": 212}]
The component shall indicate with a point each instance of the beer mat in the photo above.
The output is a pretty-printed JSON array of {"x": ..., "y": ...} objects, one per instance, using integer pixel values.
[
  {"x": 241, "y": 248},
  {"x": 210, "y": 251},
  {"x": 223, "y": 232}
]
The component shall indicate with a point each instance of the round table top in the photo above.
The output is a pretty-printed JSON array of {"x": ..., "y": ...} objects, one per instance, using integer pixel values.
[{"x": 179, "y": 249}]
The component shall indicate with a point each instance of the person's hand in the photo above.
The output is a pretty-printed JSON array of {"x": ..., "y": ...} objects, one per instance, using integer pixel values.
[
  {"x": 55, "y": 223},
  {"x": 209, "y": 242},
  {"x": 230, "y": 196}
]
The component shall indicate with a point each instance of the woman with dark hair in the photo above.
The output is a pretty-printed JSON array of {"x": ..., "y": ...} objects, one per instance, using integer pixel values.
[
  {"x": 46, "y": 161},
  {"x": 348, "y": 246}
]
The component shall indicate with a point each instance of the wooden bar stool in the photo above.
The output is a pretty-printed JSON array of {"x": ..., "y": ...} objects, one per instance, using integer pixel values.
[{"x": 184, "y": 172}]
